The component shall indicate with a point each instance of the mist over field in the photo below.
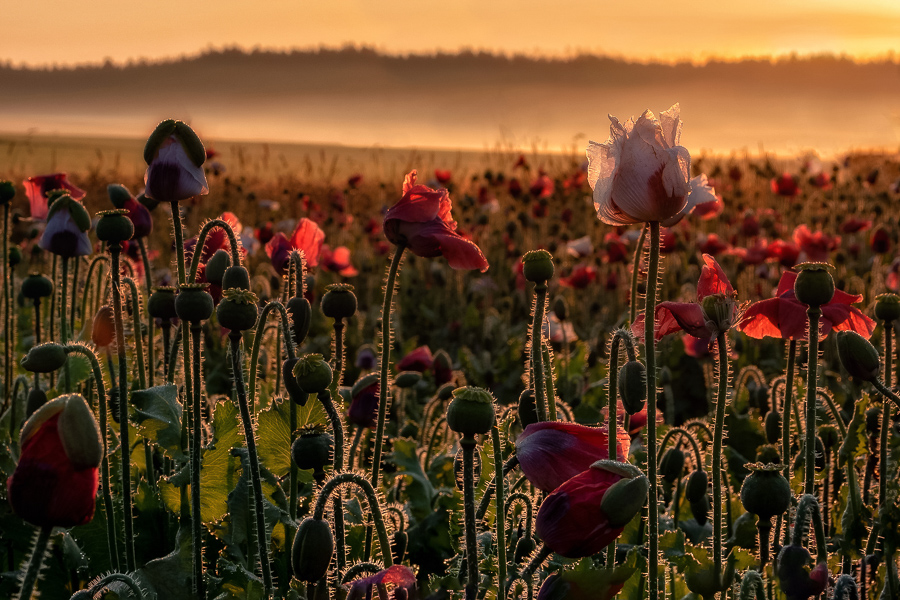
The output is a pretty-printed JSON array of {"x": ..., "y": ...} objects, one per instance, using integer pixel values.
[{"x": 362, "y": 98}]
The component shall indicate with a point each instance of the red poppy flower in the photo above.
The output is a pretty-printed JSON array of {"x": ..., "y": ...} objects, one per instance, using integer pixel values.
[
  {"x": 307, "y": 237},
  {"x": 880, "y": 243},
  {"x": 443, "y": 176},
  {"x": 735, "y": 173},
  {"x": 785, "y": 185},
  {"x": 36, "y": 188},
  {"x": 551, "y": 452},
  {"x": 756, "y": 254},
  {"x": 265, "y": 233},
  {"x": 422, "y": 221},
  {"x": 821, "y": 181},
  {"x": 713, "y": 245},
  {"x": 854, "y": 225},
  {"x": 785, "y": 317},
  {"x": 337, "y": 261},
  {"x": 55, "y": 482},
  {"x": 616, "y": 250},
  {"x": 571, "y": 521},
  {"x": 216, "y": 239},
  {"x": 713, "y": 312},
  {"x": 419, "y": 360},
  {"x": 521, "y": 162},
  {"x": 786, "y": 253},
  {"x": 542, "y": 187},
  {"x": 581, "y": 276},
  {"x": 103, "y": 329},
  {"x": 387, "y": 581},
  {"x": 514, "y": 187},
  {"x": 817, "y": 245}
]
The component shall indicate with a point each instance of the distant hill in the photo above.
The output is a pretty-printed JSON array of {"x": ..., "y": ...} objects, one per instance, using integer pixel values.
[{"x": 360, "y": 97}]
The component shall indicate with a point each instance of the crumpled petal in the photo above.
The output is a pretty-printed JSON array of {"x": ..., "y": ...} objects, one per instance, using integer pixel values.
[
  {"x": 701, "y": 193},
  {"x": 713, "y": 279}
]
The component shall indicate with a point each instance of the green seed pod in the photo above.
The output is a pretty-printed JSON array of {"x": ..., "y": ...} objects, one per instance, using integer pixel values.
[
  {"x": 314, "y": 449},
  {"x": 290, "y": 382},
  {"x": 527, "y": 408},
  {"x": 407, "y": 379},
  {"x": 7, "y": 192},
  {"x": 672, "y": 464},
  {"x": 36, "y": 286},
  {"x": 773, "y": 426},
  {"x": 217, "y": 265},
  {"x": 313, "y": 374},
  {"x": 633, "y": 386},
  {"x": 236, "y": 276},
  {"x": 471, "y": 412},
  {"x": 719, "y": 311},
  {"x": 237, "y": 310},
  {"x": 887, "y": 307},
  {"x": 538, "y": 266},
  {"x": 697, "y": 485},
  {"x": 45, "y": 358},
  {"x": 301, "y": 317},
  {"x": 162, "y": 303},
  {"x": 858, "y": 355},
  {"x": 765, "y": 492},
  {"x": 814, "y": 285},
  {"x": 312, "y": 550},
  {"x": 193, "y": 303},
  {"x": 339, "y": 301},
  {"x": 114, "y": 226}
]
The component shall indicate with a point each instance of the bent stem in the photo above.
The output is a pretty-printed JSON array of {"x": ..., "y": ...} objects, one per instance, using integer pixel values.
[
  {"x": 34, "y": 563},
  {"x": 809, "y": 467},
  {"x": 201, "y": 241},
  {"x": 262, "y": 537},
  {"x": 885, "y": 415},
  {"x": 612, "y": 409},
  {"x": 650, "y": 348}
]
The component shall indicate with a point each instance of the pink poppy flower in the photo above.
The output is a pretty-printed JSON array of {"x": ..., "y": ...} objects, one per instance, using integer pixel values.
[
  {"x": 337, "y": 261},
  {"x": 387, "y": 581},
  {"x": 641, "y": 173},
  {"x": 786, "y": 185},
  {"x": 551, "y": 452},
  {"x": 419, "y": 360},
  {"x": 701, "y": 194},
  {"x": 36, "y": 188},
  {"x": 785, "y": 317},
  {"x": 817, "y": 245},
  {"x": 421, "y": 220},
  {"x": 581, "y": 247},
  {"x": 756, "y": 254},
  {"x": 307, "y": 237},
  {"x": 216, "y": 239},
  {"x": 714, "y": 311}
]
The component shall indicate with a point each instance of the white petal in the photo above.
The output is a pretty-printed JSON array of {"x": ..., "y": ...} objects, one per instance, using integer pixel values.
[
  {"x": 671, "y": 124},
  {"x": 701, "y": 193}
]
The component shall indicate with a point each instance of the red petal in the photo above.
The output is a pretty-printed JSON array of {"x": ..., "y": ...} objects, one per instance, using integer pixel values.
[
  {"x": 712, "y": 279},
  {"x": 308, "y": 238},
  {"x": 680, "y": 316},
  {"x": 776, "y": 317}
]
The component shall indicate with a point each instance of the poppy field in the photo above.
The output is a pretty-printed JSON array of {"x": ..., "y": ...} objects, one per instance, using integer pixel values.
[{"x": 637, "y": 375}]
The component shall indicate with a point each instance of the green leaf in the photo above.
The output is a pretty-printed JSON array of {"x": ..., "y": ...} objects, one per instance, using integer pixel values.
[
  {"x": 273, "y": 442},
  {"x": 170, "y": 576},
  {"x": 158, "y": 416},
  {"x": 418, "y": 486}
]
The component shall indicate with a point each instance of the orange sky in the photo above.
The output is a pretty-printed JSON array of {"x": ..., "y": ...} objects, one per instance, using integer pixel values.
[{"x": 45, "y": 32}]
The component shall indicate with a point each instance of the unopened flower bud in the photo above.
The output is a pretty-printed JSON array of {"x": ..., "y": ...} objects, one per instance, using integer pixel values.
[
  {"x": 217, "y": 265},
  {"x": 633, "y": 386},
  {"x": 301, "y": 317},
  {"x": 407, "y": 379},
  {"x": 45, "y": 358},
  {"x": 858, "y": 355},
  {"x": 312, "y": 550},
  {"x": 236, "y": 276}
]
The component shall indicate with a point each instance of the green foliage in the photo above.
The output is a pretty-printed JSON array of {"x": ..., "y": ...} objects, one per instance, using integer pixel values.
[{"x": 158, "y": 415}]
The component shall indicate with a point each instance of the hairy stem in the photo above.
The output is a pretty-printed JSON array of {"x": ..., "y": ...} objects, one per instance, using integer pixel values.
[
  {"x": 650, "y": 348},
  {"x": 34, "y": 563},
  {"x": 809, "y": 468}
]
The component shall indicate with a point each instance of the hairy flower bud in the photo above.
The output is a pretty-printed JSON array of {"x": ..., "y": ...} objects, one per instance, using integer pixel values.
[{"x": 858, "y": 355}]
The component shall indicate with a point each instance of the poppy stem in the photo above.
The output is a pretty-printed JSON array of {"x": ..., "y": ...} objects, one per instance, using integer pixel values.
[
  {"x": 337, "y": 429},
  {"x": 115, "y": 251},
  {"x": 650, "y": 348},
  {"x": 136, "y": 304},
  {"x": 383, "y": 389},
  {"x": 809, "y": 507},
  {"x": 885, "y": 415},
  {"x": 196, "y": 450},
  {"x": 786, "y": 408},
  {"x": 89, "y": 280},
  {"x": 9, "y": 369},
  {"x": 105, "y": 484},
  {"x": 635, "y": 273},
  {"x": 511, "y": 463},
  {"x": 201, "y": 241},
  {"x": 468, "y": 444},
  {"x": 812, "y": 363},
  {"x": 500, "y": 520},
  {"x": 273, "y": 305},
  {"x": 166, "y": 327},
  {"x": 34, "y": 563},
  {"x": 73, "y": 304},
  {"x": 528, "y": 570},
  {"x": 262, "y": 536},
  {"x": 63, "y": 328},
  {"x": 537, "y": 354},
  {"x": 718, "y": 435},
  {"x": 357, "y": 436},
  {"x": 37, "y": 339},
  {"x": 150, "y": 333}
]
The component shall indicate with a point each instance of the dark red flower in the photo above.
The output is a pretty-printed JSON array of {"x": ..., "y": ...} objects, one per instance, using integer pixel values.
[
  {"x": 55, "y": 482},
  {"x": 337, "y": 261},
  {"x": 307, "y": 238},
  {"x": 103, "y": 329},
  {"x": 581, "y": 276},
  {"x": 785, "y": 317},
  {"x": 756, "y": 254},
  {"x": 750, "y": 225},
  {"x": 880, "y": 242},
  {"x": 354, "y": 180},
  {"x": 817, "y": 245},
  {"x": 421, "y": 220},
  {"x": 363, "y": 411},
  {"x": 786, "y": 253},
  {"x": 785, "y": 185},
  {"x": 443, "y": 176},
  {"x": 735, "y": 173},
  {"x": 616, "y": 250},
  {"x": 821, "y": 181},
  {"x": 388, "y": 582},
  {"x": 36, "y": 188},
  {"x": 550, "y": 452},
  {"x": 713, "y": 246},
  {"x": 854, "y": 225},
  {"x": 419, "y": 360},
  {"x": 265, "y": 233},
  {"x": 514, "y": 187},
  {"x": 542, "y": 187}
]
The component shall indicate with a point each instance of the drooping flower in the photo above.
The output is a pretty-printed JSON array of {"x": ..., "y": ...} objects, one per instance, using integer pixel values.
[
  {"x": 66, "y": 232},
  {"x": 36, "y": 188},
  {"x": 421, "y": 220},
  {"x": 641, "y": 173},
  {"x": 816, "y": 245},
  {"x": 551, "y": 452},
  {"x": 55, "y": 482},
  {"x": 714, "y": 311},
  {"x": 174, "y": 156},
  {"x": 785, "y": 317},
  {"x": 419, "y": 360},
  {"x": 701, "y": 194},
  {"x": 307, "y": 237},
  {"x": 388, "y": 581}
]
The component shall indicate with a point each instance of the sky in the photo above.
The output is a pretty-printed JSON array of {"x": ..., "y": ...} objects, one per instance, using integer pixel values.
[{"x": 66, "y": 32}]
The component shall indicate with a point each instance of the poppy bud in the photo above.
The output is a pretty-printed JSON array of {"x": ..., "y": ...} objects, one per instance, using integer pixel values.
[
  {"x": 560, "y": 308},
  {"x": 339, "y": 301},
  {"x": 697, "y": 485},
  {"x": 887, "y": 307},
  {"x": 301, "y": 317},
  {"x": 36, "y": 286},
  {"x": 363, "y": 410},
  {"x": 471, "y": 412},
  {"x": 313, "y": 450},
  {"x": 765, "y": 492},
  {"x": 700, "y": 509},
  {"x": 445, "y": 392},
  {"x": 313, "y": 374},
  {"x": 15, "y": 256},
  {"x": 45, "y": 358},
  {"x": 103, "y": 329},
  {"x": 290, "y": 382},
  {"x": 236, "y": 276},
  {"x": 193, "y": 303},
  {"x": 858, "y": 355},
  {"x": 36, "y": 399},
  {"x": 189, "y": 140},
  {"x": 55, "y": 482},
  {"x": 7, "y": 192},
  {"x": 538, "y": 266},
  {"x": 161, "y": 304},
  {"x": 624, "y": 499},
  {"x": 814, "y": 285},
  {"x": 796, "y": 579},
  {"x": 524, "y": 547},
  {"x": 114, "y": 226},
  {"x": 237, "y": 310},
  {"x": 118, "y": 194},
  {"x": 773, "y": 426},
  {"x": 407, "y": 379},
  {"x": 633, "y": 386},
  {"x": 672, "y": 464},
  {"x": 312, "y": 550},
  {"x": 399, "y": 541},
  {"x": 217, "y": 265}
]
